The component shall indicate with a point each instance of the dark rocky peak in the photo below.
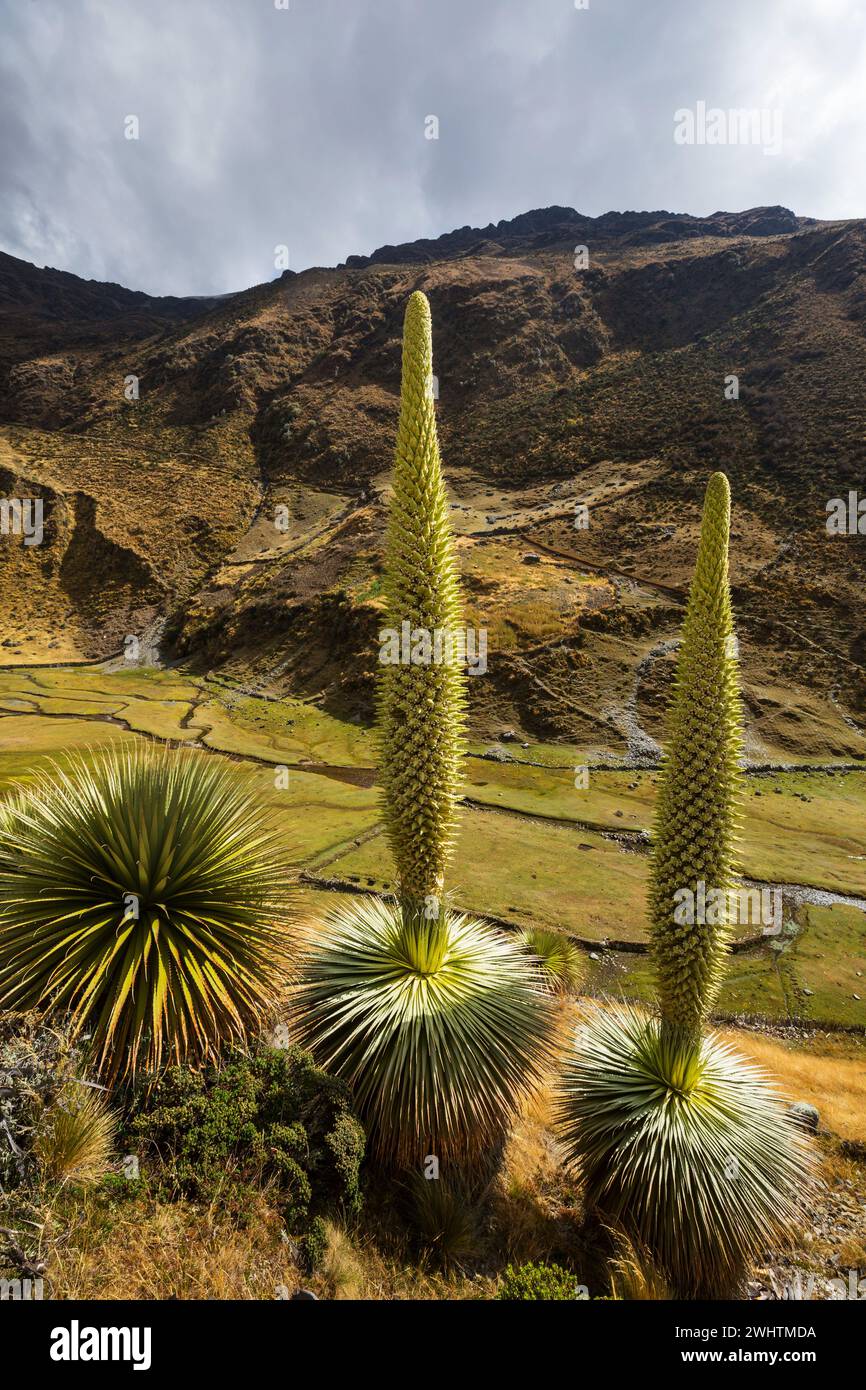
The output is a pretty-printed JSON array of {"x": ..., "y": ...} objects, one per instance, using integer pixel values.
[{"x": 549, "y": 226}]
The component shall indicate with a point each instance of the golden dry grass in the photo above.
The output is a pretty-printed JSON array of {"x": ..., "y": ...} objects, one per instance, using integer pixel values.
[
  {"x": 823, "y": 1075},
  {"x": 144, "y": 1249},
  {"x": 343, "y": 1270},
  {"x": 150, "y": 1250},
  {"x": 531, "y": 1188},
  {"x": 633, "y": 1273}
]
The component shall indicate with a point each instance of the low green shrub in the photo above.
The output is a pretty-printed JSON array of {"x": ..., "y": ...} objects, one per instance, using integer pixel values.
[
  {"x": 537, "y": 1281},
  {"x": 315, "y": 1243},
  {"x": 268, "y": 1118}
]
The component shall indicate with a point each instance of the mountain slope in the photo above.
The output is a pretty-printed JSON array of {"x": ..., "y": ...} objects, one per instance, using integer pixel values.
[{"x": 603, "y": 387}]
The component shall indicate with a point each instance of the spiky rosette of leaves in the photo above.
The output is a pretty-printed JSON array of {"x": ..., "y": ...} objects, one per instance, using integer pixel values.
[
  {"x": 439, "y": 1027},
  {"x": 683, "y": 1143},
  {"x": 555, "y": 955},
  {"x": 697, "y": 808},
  {"x": 421, "y": 702},
  {"x": 145, "y": 894}
]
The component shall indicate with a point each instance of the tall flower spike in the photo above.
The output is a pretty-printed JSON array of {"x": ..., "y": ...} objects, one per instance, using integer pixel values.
[
  {"x": 421, "y": 706},
  {"x": 436, "y": 1022},
  {"x": 679, "y": 1140},
  {"x": 696, "y": 816}
]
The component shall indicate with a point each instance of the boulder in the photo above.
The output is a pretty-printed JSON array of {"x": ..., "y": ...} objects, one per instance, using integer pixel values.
[{"x": 805, "y": 1115}]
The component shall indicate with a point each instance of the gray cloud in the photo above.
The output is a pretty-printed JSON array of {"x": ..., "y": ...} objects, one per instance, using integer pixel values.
[{"x": 305, "y": 127}]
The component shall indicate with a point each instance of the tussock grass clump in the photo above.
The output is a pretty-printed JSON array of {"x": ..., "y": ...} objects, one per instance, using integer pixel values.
[
  {"x": 342, "y": 1266},
  {"x": 55, "y": 1127},
  {"x": 75, "y": 1139},
  {"x": 443, "y": 1214},
  {"x": 634, "y": 1274}
]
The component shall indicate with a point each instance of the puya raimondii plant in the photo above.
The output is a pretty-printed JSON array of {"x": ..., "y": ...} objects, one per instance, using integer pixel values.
[
  {"x": 681, "y": 1142},
  {"x": 436, "y": 1020},
  {"x": 144, "y": 895}
]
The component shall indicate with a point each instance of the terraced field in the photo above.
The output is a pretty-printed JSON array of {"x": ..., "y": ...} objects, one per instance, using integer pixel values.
[{"x": 538, "y": 843}]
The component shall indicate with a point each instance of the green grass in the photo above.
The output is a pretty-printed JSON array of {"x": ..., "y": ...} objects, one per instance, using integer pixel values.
[
  {"x": 752, "y": 984},
  {"x": 531, "y": 872},
  {"x": 28, "y": 742},
  {"x": 820, "y": 842},
  {"x": 282, "y": 731},
  {"x": 156, "y": 702},
  {"x": 152, "y": 702},
  {"x": 159, "y": 718},
  {"x": 553, "y": 755},
  {"x": 827, "y": 957},
  {"x": 321, "y": 813},
  {"x": 824, "y": 959},
  {"x": 76, "y": 681},
  {"x": 546, "y": 791}
]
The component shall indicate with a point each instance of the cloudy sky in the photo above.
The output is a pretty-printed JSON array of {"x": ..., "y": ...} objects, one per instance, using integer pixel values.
[{"x": 307, "y": 126}]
